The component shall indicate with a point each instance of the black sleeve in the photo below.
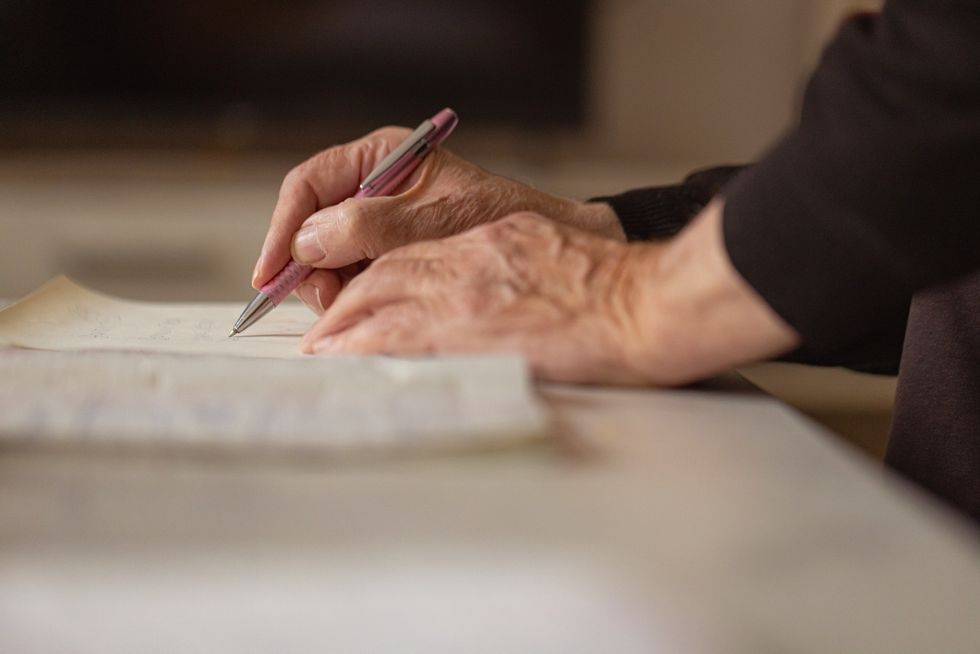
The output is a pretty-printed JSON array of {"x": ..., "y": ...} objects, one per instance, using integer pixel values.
[
  {"x": 876, "y": 194},
  {"x": 662, "y": 211}
]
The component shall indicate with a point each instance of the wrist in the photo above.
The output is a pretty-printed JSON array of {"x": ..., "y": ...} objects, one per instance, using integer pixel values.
[{"x": 696, "y": 314}]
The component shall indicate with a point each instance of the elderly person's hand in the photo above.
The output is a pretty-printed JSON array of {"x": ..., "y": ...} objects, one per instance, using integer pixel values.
[
  {"x": 579, "y": 307},
  {"x": 315, "y": 221}
]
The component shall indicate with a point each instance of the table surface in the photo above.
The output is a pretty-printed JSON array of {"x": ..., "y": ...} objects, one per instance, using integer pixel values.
[{"x": 705, "y": 519}]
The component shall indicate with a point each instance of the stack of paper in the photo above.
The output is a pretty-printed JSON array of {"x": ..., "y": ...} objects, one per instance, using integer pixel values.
[{"x": 105, "y": 370}]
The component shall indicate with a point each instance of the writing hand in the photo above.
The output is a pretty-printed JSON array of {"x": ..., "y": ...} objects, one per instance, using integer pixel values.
[{"x": 315, "y": 222}]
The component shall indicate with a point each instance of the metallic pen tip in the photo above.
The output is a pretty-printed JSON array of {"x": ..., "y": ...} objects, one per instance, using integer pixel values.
[{"x": 232, "y": 333}]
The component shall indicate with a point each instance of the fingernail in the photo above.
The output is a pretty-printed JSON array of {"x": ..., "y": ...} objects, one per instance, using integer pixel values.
[
  {"x": 306, "y": 247},
  {"x": 310, "y": 294}
]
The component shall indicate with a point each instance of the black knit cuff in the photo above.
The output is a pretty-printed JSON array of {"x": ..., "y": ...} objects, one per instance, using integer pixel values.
[
  {"x": 652, "y": 213},
  {"x": 661, "y": 212}
]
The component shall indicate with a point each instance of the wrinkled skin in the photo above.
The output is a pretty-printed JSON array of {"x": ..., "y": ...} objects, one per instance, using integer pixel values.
[
  {"x": 525, "y": 284},
  {"x": 460, "y": 260},
  {"x": 316, "y": 222}
]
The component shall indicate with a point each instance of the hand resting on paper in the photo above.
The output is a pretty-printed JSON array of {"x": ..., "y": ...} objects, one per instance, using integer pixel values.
[
  {"x": 516, "y": 270},
  {"x": 579, "y": 307},
  {"x": 316, "y": 224}
]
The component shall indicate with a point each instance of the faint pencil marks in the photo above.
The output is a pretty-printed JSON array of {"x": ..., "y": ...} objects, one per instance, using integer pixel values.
[
  {"x": 203, "y": 330},
  {"x": 95, "y": 325},
  {"x": 164, "y": 329}
]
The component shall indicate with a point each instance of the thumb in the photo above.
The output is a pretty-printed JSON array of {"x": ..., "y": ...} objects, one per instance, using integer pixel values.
[{"x": 354, "y": 230}]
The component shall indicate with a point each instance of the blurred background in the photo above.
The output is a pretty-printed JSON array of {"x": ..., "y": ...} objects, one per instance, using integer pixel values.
[{"x": 142, "y": 143}]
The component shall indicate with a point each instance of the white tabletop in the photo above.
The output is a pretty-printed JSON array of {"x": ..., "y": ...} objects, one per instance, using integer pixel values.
[{"x": 711, "y": 519}]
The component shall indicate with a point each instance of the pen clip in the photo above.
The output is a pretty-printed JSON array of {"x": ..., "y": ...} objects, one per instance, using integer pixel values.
[{"x": 415, "y": 145}]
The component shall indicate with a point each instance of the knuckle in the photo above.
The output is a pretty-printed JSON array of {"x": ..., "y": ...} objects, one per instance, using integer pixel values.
[
  {"x": 347, "y": 220},
  {"x": 530, "y": 226},
  {"x": 292, "y": 178},
  {"x": 324, "y": 160},
  {"x": 355, "y": 224},
  {"x": 510, "y": 225},
  {"x": 490, "y": 231},
  {"x": 524, "y": 219}
]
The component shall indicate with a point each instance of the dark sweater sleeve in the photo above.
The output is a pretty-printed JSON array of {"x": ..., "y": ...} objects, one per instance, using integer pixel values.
[
  {"x": 662, "y": 211},
  {"x": 876, "y": 194}
]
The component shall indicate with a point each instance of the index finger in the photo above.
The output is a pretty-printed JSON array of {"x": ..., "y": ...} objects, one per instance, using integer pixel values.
[{"x": 321, "y": 181}]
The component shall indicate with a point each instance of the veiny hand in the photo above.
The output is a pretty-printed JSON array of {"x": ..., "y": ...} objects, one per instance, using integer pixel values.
[
  {"x": 578, "y": 307},
  {"x": 525, "y": 284},
  {"x": 446, "y": 195}
]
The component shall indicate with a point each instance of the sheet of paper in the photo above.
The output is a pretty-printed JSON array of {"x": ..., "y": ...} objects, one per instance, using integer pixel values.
[
  {"x": 104, "y": 370},
  {"x": 62, "y": 315}
]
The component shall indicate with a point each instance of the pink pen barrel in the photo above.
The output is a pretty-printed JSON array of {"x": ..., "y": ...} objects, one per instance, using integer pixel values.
[
  {"x": 389, "y": 180},
  {"x": 445, "y": 122},
  {"x": 286, "y": 281},
  {"x": 293, "y": 274}
]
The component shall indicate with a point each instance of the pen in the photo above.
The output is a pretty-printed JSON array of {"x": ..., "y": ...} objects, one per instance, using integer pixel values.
[{"x": 382, "y": 180}]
